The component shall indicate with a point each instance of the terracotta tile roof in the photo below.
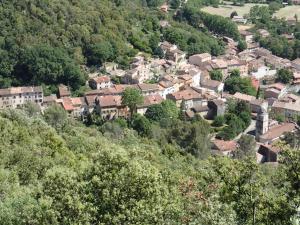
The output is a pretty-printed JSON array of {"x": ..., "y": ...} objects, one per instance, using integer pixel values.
[
  {"x": 211, "y": 83},
  {"x": 198, "y": 109},
  {"x": 101, "y": 79},
  {"x": 110, "y": 101},
  {"x": 278, "y": 86},
  {"x": 90, "y": 99},
  {"x": 185, "y": 77},
  {"x": 151, "y": 100},
  {"x": 189, "y": 113},
  {"x": 225, "y": 145},
  {"x": 166, "y": 84},
  {"x": 117, "y": 89},
  {"x": 70, "y": 104},
  {"x": 278, "y": 131},
  {"x": 51, "y": 98},
  {"x": 272, "y": 148},
  {"x": 287, "y": 105},
  {"x": 243, "y": 97},
  {"x": 20, "y": 90},
  {"x": 148, "y": 87},
  {"x": 64, "y": 91},
  {"x": 186, "y": 95},
  {"x": 296, "y": 61}
]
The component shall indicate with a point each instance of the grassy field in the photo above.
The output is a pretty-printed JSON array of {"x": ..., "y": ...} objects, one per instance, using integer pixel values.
[
  {"x": 288, "y": 12},
  {"x": 226, "y": 10}
]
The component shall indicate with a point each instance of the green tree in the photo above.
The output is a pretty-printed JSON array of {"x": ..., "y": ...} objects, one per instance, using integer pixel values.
[
  {"x": 131, "y": 98},
  {"x": 43, "y": 64},
  {"x": 216, "y": 75},
  {"x": 141, "y": 124},
  {"x": 218, "y": 121},
  {"x": 166, "y": 110},
  {"x": 233, "y": 14},
  {"x": 99, "y": 53},
  {"x": 239, "y": 84},
  {"x": 242, "y": 45},
  {"x": 55, "y": 116},
  {"x": 175, "y": 3},
  {"x": 246, "y": 147},
  {"x": 285, "y": 76}
]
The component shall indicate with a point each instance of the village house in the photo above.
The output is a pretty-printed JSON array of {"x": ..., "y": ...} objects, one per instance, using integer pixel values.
[
  {"x": 262, "y": 52},
  {"x": 276, "y": 91},
  {"x": 239, "y": 19},
  {"x": 186, "y": 99},
  {"x": 252, "y": 46},
  {"x": 247, "y": 36},
  {"x": 167, "y": 87},
  {"x": 110, "y": 107},
  {"x": 287, "y": 109},
  {"x": 296, "y": 64},
  {"x": 255, "y": 105},
  {"x": 90, "y": 101},
  {"x": 116, "y": 89},
  {"x": 63, "y": 91},
  {"x": 243, "y": 97},
  {"x": 220, "y": 64},
  {"x": 149, "y": 89},
  {"x": 199, "y": 59},
  {"x": 290, "y": 98},
  {"x": 240, "y": 65},
  {"x": 15, "y": 97},
  {"x": 200, "y": 110},
  {"x": 296, "y": 78},
  {"x": 225, "y": 148},
  {"x": 100, "y": 82},
  {"x": 263, "y": 33},
  {"x": 276, "y": 62},
  {"x": 75, "y": 107},
  {"x": 149, "y": 101},
  {"x": 164, "y": 8},
  {"x": 275, "y": 132},
  {"x": 214, "y": 85},
  {"x": 263, "y": 72},
  {"x": 171, "y": 52},
  {"x": 216, "y": 107},
  {"x": 49, "y": 101},
  {"x": 269, "y": 153}
]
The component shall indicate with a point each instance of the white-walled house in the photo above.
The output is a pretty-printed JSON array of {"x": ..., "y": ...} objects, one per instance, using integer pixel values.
[{"x": 262, "y": 72}]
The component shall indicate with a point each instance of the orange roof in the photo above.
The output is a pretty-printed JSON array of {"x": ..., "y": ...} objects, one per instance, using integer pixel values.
[
  {"x": 101, "y": 79},
  {"x": 225, "y": 145},
  {"x": 20, "y": 90},
  {"x": 110, "y": 101},
  {"x": 278, "y": 131},
  {"x": 243, "y": 97},
  {"x": 70, "y": 104},
  {"x": 152, "y": 100},
  {"x": 278, "y": 86},
  {"x": 186, "y": 95},
  {"x": 63, "y": 91}
]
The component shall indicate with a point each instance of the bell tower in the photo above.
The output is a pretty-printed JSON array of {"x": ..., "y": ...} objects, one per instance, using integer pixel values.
[{"x": 262, "y": 121}]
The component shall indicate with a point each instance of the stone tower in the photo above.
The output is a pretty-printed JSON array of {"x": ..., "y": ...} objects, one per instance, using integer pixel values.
[{"x": 262, "y": 121}]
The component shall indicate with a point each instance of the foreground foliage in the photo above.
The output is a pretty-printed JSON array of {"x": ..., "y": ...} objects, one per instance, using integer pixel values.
[{"x": 78, "y": 175}]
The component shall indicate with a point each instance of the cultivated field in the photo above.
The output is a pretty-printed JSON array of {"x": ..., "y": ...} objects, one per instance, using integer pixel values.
[
  {"x": 288, "y": 12},
  {"x": 226, "y": 10}
]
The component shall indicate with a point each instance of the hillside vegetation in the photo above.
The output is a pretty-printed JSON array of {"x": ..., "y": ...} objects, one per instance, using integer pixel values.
[
  {"x": 45, "y": 42},
  {"x": 77, "y": 175}
]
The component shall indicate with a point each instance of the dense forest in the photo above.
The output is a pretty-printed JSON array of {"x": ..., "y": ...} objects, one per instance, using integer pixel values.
[
  {"x": 277, "y": 43},
  {"x": 51, "y": 42},
  {"x": 54, "y": 170}
]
